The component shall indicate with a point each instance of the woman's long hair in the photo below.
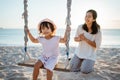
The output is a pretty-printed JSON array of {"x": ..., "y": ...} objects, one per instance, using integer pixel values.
[{"x": 95, "y": 27}]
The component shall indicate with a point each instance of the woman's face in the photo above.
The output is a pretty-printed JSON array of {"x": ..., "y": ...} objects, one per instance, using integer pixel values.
[{"x": 89, "y": 18}]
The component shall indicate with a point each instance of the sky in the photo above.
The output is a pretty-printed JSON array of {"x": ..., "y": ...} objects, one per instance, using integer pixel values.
[{"x": 11, "y": 12}]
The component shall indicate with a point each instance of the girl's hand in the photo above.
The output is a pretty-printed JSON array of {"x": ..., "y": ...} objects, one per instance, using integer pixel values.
[
  {"x": 64, "y": 39},
  {"x": 68, "y": 29},
  {"x": 27, "y": 30}
]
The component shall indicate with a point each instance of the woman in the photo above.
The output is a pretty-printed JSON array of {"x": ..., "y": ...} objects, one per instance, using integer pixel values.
[{"x": 88, "y": 36}]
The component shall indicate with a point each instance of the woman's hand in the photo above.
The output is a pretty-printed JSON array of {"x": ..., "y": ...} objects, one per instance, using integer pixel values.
[
  {"x": 83, "y": 38},
  {"x": 77, "y": 39}
]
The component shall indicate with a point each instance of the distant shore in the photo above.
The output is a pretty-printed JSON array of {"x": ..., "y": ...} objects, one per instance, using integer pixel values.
[
  {"x": 1, "y": 28},
  {"x": 107, "y": 66}
]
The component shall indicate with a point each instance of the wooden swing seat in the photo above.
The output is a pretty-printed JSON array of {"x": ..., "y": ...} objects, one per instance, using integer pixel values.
[{"x": 30, "y": 63}]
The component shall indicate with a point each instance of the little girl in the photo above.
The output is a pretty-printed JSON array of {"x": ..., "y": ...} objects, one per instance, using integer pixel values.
[{"x": 50, "y": 44}]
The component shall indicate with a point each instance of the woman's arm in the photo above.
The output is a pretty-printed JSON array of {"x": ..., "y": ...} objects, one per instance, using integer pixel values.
[
  {"x": 64, "y": 39},
  {"x": 34, "y": 40},
  {"x": 91, "y": 43}
]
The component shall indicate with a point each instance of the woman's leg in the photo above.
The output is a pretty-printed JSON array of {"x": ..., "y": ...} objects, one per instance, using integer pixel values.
[
  {"x": 49, "y": 74},
  {"x": 37, "y": 66},
  {"x": 75, "y": 64},
  {"x": 87, "y": 66}
]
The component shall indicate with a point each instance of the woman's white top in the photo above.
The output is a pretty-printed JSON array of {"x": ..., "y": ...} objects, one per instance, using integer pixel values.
[{"x": 84, "y": 50}]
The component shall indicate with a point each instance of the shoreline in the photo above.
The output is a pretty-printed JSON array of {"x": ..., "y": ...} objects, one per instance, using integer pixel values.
[
  {"x": 107, "y": 66},
  {"x": 39, "y": 45}
]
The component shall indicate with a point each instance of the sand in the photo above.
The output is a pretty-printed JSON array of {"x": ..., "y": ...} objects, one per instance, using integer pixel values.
[{"x": 107, "y": 66}]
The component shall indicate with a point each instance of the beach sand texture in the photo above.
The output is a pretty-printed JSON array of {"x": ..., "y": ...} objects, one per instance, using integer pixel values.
[{"x": 107, "y": 66}]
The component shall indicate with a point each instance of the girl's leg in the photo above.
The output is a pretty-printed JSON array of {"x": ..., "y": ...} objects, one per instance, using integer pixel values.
[
  {"x": 49, "y": 74},
  {"x": 37, "y": 66},
  {"x": 75, "y": 64},
  {"x": 87, "y": 66}
]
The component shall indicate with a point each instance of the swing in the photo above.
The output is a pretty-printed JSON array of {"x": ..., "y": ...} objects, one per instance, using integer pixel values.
[{"x": 30, "y": 62}]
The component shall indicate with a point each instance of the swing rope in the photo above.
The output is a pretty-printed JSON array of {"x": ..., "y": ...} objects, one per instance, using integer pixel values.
[
  {"x": 25, "y": 16},
  {"x": 68, "y": 23},
  {"x": 29, "y": 61}
]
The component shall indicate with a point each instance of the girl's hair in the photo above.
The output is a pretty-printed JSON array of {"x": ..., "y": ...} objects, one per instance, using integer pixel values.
[
  {"x": 48, "y": 24},
  {"x": 95, "y": 27}
]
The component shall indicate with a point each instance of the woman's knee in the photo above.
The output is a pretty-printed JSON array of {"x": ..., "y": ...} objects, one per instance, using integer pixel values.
[
  {"x": 87, "y": 66},
  {"x": 75, "y": 61},
  {"x": 86, "y": 71}
]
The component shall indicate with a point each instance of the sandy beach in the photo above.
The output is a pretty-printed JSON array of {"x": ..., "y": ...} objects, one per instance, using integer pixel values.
[{"x": 107, "y": 66}]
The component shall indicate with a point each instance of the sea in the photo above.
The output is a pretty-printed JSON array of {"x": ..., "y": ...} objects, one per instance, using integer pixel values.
[{"x": 15, "y": 37}]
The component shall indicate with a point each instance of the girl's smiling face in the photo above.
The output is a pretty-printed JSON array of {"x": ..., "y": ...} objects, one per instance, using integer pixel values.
[
  {"x": 46, "y": 28},
  {"x": 46, "y": 31}
]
